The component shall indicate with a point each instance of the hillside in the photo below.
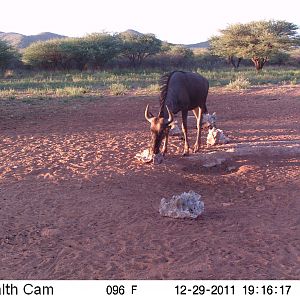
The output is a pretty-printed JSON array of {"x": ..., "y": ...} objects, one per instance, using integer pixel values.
[
  {"x": 198, "y": 45},
  {"x": 21, "y": 41}
]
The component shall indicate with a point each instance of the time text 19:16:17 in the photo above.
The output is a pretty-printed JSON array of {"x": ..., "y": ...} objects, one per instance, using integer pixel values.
[{"x": 267, "y": 289}]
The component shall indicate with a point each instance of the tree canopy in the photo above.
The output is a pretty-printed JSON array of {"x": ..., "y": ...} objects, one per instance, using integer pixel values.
[
  {"x": 136, "y": 47},
  {"x": 258, "y": 41},
  {"x": 7, "y": 53},
  {"x": 94, "y": 50}
]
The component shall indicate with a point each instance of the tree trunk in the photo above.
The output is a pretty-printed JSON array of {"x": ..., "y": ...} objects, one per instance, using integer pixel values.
[
  {"x": 259, "y": 62},
  {"x": 233, "y": 63},
  {"x": 238, "y": 62}
]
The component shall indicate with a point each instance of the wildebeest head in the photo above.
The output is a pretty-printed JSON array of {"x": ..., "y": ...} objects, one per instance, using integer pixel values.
[{"x": 159, "y": 127}]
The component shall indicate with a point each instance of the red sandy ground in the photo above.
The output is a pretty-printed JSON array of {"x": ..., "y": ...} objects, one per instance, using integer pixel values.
[{"x": 75, "y": 204}]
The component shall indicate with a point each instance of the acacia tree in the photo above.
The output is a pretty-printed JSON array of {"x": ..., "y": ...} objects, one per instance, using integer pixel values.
[
  {"x": 258, "y": 41},
  {"x": 7, "y": 53},
  {"x": 225, "y": 45},
  {"x": 102, "y": 48},
  {"x": 43, "y": 54},
  {"x": 136, "y": 46}
]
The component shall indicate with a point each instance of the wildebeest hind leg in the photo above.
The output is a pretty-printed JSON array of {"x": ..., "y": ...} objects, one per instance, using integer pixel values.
[{"x": 184, "y": 130}]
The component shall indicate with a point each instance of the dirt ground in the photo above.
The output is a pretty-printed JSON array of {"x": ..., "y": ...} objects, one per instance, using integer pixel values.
[{"x": 76, "y": 204}]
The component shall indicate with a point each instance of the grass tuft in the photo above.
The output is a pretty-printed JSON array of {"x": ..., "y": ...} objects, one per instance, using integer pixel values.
[
  {"x": 118, "y": 89},
  {"x": 240, "y": 83},
  {"x": 71, "y": 91}
]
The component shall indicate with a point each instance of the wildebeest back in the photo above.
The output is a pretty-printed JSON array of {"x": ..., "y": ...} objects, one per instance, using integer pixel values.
[{"x": 186, "y": 91}]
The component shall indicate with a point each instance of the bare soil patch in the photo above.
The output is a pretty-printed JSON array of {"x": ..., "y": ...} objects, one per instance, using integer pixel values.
[{"x": 75, "y": 204}]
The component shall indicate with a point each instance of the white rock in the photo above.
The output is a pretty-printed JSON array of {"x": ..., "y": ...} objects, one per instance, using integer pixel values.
[
  {"x": 209, "y": 120},
  {"x": 216, "y": 136},
  {"x": 186, "y": 205},
  {"x": 213, "y": 162},
  {"x": 144, "y": 156},
  {"x": 175, "y": 130}
]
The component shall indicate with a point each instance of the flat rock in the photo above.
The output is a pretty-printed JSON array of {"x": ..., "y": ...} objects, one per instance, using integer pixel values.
[{"x": 185, "y": 205}]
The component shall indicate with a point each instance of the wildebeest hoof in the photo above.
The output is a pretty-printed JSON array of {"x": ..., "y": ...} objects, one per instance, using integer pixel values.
[{"x": 185, "y": 154}]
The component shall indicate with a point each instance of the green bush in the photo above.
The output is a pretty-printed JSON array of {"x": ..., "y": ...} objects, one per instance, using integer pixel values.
[
  {"x": 240, "y": 83},
  {"x": 92, "y": 51},
  {"x": 118, "y": 89},
  {"x": 7, "y": 54}
]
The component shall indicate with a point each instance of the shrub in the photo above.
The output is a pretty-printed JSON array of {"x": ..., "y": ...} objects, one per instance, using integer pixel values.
[
  {"x": 71, "y": 91},
  {"x": 118, "y": 89},
  {"x": 239, "y": 83},
  {"x": 7, "y": 54},
  {"x": 94, "y": 51}
]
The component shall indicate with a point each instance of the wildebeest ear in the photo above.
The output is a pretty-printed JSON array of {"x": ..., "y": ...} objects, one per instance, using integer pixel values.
[{"x": 148, "y": 114}]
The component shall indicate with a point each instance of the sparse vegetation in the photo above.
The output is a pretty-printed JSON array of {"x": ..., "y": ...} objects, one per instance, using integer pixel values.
[
  {"x": 120, "y": 82},
  {"x": 118, "y": 89},
  {"x": 71, "y": 91},
  {"x": 240, "y": 83}
]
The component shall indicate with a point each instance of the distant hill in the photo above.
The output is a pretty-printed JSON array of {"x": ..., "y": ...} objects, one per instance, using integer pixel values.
[
  {"x": 21, "y": 41},
  {"x": 131, "y": 31},
  {"x": 198, "y": 45}
]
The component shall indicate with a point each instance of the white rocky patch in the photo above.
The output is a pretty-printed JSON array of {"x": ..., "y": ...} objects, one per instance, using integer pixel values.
[
  {"x": 146, "y": 157},
  {"x": 216, "y": 136},
  {"x": 185, "y": 205},
  {"x": 209, "y": 120},
  {"x": 175, "y": 130}
]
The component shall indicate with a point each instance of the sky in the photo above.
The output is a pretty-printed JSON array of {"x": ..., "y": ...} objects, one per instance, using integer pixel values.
[{"x": 182, "y": 22}]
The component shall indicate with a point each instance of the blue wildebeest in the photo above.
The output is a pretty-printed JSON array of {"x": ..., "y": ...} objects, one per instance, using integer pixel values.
[{"x": 179, "y": 91}]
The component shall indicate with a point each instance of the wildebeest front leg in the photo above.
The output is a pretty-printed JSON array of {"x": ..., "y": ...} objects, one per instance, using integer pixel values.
[
  {"x": 165, "y": 146},
  {"x": 184, "y": 130},
  {"x": 198, "y": 114}
]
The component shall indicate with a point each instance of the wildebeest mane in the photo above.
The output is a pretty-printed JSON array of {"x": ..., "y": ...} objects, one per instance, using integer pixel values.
[{"x": 163, "y": 86}]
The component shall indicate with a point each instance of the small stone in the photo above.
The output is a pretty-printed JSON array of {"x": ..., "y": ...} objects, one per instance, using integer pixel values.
[
  {"x": 260, "y": 188},
  {"x": 144, "y": 156},
  {"x": 213, "y": 163},
  {"x": 225, "y": 204},
  {"x": 49, "y": 232},
  {"x": 158, "y": 159},
  {"x": 175, "y": 130},
  {"x": 231, "y": 168}
]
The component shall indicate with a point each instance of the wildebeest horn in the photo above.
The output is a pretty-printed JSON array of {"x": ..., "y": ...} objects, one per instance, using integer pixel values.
[
  {"x": 171, "y": 117},
  {"x": 148, "y": 114}
]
